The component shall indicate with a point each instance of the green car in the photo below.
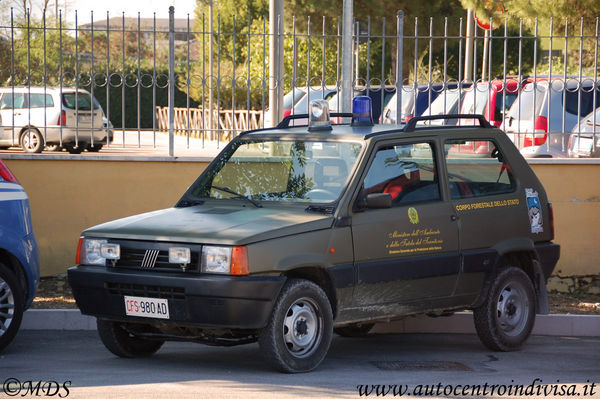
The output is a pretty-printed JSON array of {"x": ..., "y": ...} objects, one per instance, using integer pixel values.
[{"x": 294, "y": 233}]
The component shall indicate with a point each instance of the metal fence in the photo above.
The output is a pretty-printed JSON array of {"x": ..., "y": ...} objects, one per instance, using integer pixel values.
[{"x": 209, "y": 80}]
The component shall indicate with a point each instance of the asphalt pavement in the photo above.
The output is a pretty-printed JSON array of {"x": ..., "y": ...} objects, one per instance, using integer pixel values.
[{"x": 75, "y": 364}]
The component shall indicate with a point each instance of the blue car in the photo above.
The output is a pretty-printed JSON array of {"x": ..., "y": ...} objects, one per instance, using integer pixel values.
[{"x": 19, "y": 258}]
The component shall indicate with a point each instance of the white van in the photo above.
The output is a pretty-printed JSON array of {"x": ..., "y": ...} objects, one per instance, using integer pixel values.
[{"x": 37, "y": 117}]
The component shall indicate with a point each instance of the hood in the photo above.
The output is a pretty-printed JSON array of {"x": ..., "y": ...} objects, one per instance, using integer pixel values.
[{"x": 214, "y": 224}]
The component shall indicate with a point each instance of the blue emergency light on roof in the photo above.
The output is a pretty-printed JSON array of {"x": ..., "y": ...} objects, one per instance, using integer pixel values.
[
  {"x": 362, "y": 114},
  {"x": 318, "y": 115}
]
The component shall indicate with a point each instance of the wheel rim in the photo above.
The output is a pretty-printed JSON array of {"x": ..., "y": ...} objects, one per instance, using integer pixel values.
[
  {"x": 30, "y": 141},
  {"x": 512, "y": 308},
  {"x": 302, "y": 328},
  {"x": 7, "y": 306}
]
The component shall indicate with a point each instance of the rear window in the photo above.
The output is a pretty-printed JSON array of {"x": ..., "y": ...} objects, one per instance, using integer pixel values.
[
  {"x": 572, "y": 99},
  {"x": 81, "y": 101}
]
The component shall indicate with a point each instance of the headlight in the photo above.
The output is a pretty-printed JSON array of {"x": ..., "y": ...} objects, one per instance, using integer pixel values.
[
  {"x": 180, "y": 255},
  {"x": 92, "y": 251},
  {"x": 216, "y": 259},
  {"x": 227, "y": 260}
]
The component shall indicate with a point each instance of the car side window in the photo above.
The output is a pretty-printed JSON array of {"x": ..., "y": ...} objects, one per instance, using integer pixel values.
[
  {"x": 7, "y": 101},
  {"x": 406, "y": 171},
  {"x": 477, "y": 168},
  {"x": 37, "y": 100}
]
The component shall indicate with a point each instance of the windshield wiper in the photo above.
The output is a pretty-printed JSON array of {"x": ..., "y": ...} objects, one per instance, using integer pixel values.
[
  {"x": 326, "y": 209},
  {"x": 184, "y": 203},
  {"x": 238, "y": 195}
]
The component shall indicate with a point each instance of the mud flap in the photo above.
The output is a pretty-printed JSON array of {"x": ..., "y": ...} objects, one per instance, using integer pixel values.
[{"x": 542, "y": 305}]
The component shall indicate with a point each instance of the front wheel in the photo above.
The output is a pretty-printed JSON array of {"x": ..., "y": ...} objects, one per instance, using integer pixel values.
[
  {"x": 505, "y": 320},
  {"x": 11, "y": 306},
  {"x": 32, "y": 141},
  {"x": 300, "y": 328},
  {"x": 123, "y": 344}
]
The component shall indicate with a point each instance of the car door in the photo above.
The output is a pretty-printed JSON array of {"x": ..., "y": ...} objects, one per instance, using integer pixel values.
[
  {"x": 406, "y": 254},
  {"x": 12, "y": 112}
]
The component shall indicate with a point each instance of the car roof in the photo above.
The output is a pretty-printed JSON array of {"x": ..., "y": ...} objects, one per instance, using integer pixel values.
[
  {"x": 362, "y": 133},
  {"x": 41, "y": 89}
]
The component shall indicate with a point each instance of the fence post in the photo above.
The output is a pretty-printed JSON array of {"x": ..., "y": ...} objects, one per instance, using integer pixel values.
[
  {"x": 171, "y": 80},
  {"x": 347, "y": 24},
  {"x": 399, "y": 62}
]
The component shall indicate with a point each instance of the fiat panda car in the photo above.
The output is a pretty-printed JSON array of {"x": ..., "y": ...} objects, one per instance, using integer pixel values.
[{"x": 294, "y": 233}]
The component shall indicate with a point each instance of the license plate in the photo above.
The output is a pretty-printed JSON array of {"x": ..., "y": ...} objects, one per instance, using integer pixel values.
[{"x": 146, "y": 307}]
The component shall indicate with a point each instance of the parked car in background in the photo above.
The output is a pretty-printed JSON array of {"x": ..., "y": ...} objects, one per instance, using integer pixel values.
[
  {"x": 19, "y": 259},
  {"x": 584, "y": 140},
  {"x": 414, "y": 101},
  {"x": 296, "y": 101},
  {"x": 448, "y": 102},
  {"x": 542, "y": 118},
  {"x": 38, "y": 117},
  {"x": 492, "y": 99},
  {"x": 379, "y": 99}
]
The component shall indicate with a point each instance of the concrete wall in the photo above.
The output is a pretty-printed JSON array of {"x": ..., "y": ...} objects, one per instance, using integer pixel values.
[{"x": 68, "y": 195}]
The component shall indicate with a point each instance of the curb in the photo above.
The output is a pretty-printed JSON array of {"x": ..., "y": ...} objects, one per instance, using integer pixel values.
[{"x": 460, "y": 323}]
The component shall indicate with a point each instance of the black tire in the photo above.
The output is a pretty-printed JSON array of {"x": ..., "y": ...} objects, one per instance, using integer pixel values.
[
  {"x": 505, "y": 320},
  {"x": 32, "y": 141},
  {"x": 53, "y": 147},
  {"x": 122, "y": 343},
  {"x": 12, "y": 305},
  {"x": 356, "y": 330},
  {"x": 95, "y": 148},
  {"x": 304, "y": 306},
  {"x": 75, "y": 150}
]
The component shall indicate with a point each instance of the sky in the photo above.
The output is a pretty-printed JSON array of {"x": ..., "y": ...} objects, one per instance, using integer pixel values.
[{"x": 146, "y": 8}]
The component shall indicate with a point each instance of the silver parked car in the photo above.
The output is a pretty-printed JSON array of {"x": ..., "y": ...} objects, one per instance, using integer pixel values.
[
  {"x": 296, "y": 101},
  {"x": 584, "y": 140},
  {"x": 37, "y": 117},
  {"x": 541, "y": 119}
]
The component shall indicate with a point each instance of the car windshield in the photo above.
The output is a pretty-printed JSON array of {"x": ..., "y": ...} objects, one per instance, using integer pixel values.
[
  {"x": 476, "y": 101},
  {"x": 445, "y": 103},
  {"x": 291, "y": 98},
  {"x": 523, "y": 108},
  {"x": 279, "y": 171}
]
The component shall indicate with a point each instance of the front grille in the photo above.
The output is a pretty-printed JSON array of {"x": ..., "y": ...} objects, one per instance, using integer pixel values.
[
  {"x": 148, "y": 255},
  {"x": 150, "y": 291}
]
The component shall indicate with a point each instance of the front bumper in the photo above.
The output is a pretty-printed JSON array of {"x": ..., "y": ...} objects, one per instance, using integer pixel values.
[{"x": 209, "y": 301}]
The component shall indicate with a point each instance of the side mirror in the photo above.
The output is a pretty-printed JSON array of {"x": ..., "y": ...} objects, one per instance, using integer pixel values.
[{"x": 378, "y": 201}]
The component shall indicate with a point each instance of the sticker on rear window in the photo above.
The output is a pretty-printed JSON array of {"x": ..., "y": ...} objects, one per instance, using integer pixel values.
[{"x": 535, "y": 211}]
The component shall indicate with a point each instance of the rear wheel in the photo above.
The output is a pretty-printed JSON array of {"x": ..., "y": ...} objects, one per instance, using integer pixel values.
[
  {"x": 11, "y": 306},
  {"x": 299, "y": 331},
  {"x": 123, "y": 344},
  {"x": 506, "y": 318},
  {"x": 53, "y": 147},
  {"x": 32, "y": 141}
]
